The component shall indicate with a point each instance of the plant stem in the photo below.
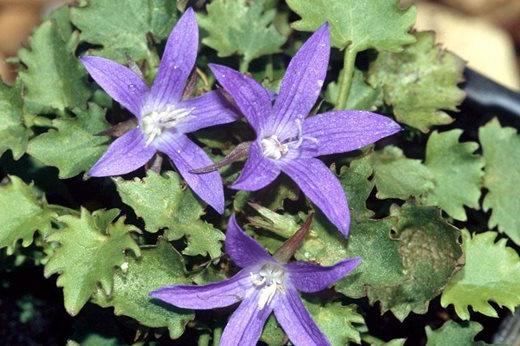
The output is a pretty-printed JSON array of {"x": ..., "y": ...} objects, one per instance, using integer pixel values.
[
  {"x": 203, "y": 340},
  {"x": 31, "y": 120},
  {"x": 217, "y": 333},
  {"x": 244, "y": 66},
  {"x": 345, "y": 78}
]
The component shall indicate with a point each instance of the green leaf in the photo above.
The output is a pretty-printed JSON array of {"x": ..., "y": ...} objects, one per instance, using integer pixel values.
[
  {"x": 338, "y": 322},
  {"x": 273, "y": 334},
  {"x": 360, "y": 25},
  {"x": 501, "y": 151},
  {"x": 491, "y": 273},
  {"x": 157, "y": 267},
  {"x": 247, "y": 29},
  {"x": 355, "y": 181},
  {"x": 162, "y": 202},
  {"x": 420, "y": 82},
  {"x": 406, "y": 267},
  {"x": 452, "y": 333},
  {"x": 361, "y": 95},
  {"x": 121, "y": 26},
  {"x": 23, "y": 211},
  {"x": 91, "y": 247},
  {"x": 397, "y": 176},
  {"x": 457, "y": 173},
  {"x": 13, "y": 134},
  {"x": 54, "y": 78},
  {"x": 72, "y": 145}
]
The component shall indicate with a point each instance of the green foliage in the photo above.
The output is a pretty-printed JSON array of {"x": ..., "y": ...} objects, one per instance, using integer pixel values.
[
  {"x": 122, "y": 27},
  {"x": 54, "y": 78},
  {"x": 452, "y": 333},
  {"x": 361, "y": 95},
  {"x": 457, "y": 173},
  {"x": 501, "y": 151},
  {"x": 157, "y": 267},
  {"x": 240, "y": 27},
  {"x": 336, "y": 321},
  {"x": 397, "y": 176},
  {"x": 360, "y": 25},
  {"x": 72, "y": 145},
  {"x": 419, "y": 82},
  {"x": 30, "y": 214},
  {"x": 491, "y": 273},
  {"x": 162, "y": 202},
  {"x": 91, "y": 246},
  {"x": 13, "y": 134}
]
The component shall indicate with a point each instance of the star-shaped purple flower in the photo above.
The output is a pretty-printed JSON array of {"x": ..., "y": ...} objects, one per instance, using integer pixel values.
[
  {"x": 264, "y": 285},
  {"x": 288, "y": 141},
  {"x": 163, "y": 116}
]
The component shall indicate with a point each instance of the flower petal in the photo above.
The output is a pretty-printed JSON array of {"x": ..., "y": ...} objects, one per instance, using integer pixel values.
[
  {"x": 257, "y": 172},
  {"x": 246, "y": 323},
  {"x": 187, "y": 156},
  {"x": 210, "y": 296},
  {"x": 309, "y": 277},
  {"x": 243, "y": 249},
  {"x": 121, "y": 83},
  {"x": 209, "y": 109},
  {"x": 302, "y": 82},
  {"x": 253, "y": 100},
  {"x": 177, "y": 62},
  {"x": 342, "y": 131},
  {"x": 124, "y": 155},
  {"x": 296, "y": 320},
  {"x": 322, "y": 187}
]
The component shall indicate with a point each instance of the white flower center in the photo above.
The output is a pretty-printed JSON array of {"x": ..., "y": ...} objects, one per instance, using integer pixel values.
[
  {"x": 269, "y": 279},
  {"x": 273, "y": 148},
  {"x": 154, "y": 123}
]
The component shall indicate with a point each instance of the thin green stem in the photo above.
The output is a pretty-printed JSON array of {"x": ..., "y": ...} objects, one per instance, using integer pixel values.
[
  {"x": 345, "y": 78},
  {"x": 203, "y": 340},
  {"x": 31, "y": 120},
  {"x": 217, "y": 333},
  {"x": 244, "y": 66}
]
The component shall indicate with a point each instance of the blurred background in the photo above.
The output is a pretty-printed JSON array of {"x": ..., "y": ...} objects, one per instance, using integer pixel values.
[{"x": 486, "y": 33}]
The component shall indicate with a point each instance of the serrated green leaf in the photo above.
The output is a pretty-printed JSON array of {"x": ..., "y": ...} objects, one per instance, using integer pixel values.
[
  {"x": 420, "y": 82},
  {"x": 13, "y": 134},
  {"x": 247, "y": 30},
  {"x": 23, "y": 211},
  {"x": 457, "y": 173},
  {"x": 452, "y": 333},
  {"x": 338, "y": 322},
  {"x": 54, "y": 78},
  {"x": 157, "y": 267},
  {"x": 491, "y": 273},
  {"x": 162, "y": 202},
  {"x": 360, "y": 25},
  {"x": 72, "y": 145},
  {"x": 273, "y": 334},
  {"x": 397, "y": 176},
  {"x": 88, "y": 254},
  {"x": 355, "y": 181},
  {"x": 430, "y": 255},
  {"x": 361, "y": 95},
  {"x": 501, "y": 151},
  {"x": 121, "y": 26}
]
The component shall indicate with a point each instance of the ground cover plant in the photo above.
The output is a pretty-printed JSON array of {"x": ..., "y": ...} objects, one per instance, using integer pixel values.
[{"x": 282, "y": 172}]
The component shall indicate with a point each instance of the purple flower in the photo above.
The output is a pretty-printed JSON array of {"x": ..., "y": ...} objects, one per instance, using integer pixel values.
[
  {"x": 163, "y": 116},
  {"x": 264, "y": 285},
  {"x": 288, "y": 141}
]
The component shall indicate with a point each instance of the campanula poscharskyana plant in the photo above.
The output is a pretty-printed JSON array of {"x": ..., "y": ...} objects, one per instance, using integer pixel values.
[
  {"x": 164, "y": 117},
  {"x": 289, "y": 141},
  {"x": 265, "y": 284}
]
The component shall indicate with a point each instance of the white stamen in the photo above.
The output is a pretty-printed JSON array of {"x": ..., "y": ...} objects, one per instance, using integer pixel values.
[
  {"x": 273, "y": 148},
  {"x": 154, "y": 123},
  {"x": 270, "y": 280}
]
